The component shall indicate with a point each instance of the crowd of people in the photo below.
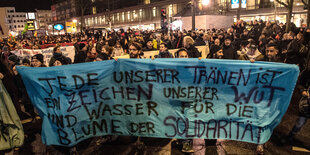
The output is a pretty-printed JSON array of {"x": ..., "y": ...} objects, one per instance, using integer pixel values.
[{"x": 254, "y": 41}]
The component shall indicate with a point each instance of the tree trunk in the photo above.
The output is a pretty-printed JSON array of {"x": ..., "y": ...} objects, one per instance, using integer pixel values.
[
  {"x": 289, "y": 16},
  {"x": 82, "y": 20}
]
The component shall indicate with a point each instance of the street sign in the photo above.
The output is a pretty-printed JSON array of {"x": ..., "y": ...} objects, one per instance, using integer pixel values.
[
  {"x": 235, "y": 4},
  {"x": 58, "y": 27}
]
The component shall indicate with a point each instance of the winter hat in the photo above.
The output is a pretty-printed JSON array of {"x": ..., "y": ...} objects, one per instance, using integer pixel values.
[
  {"x": 38, "y": 57},
  {"x": 81, "y": 45}
]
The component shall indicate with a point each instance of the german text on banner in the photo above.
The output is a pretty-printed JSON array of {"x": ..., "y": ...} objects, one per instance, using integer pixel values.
[{"x": 167, "y": 98}]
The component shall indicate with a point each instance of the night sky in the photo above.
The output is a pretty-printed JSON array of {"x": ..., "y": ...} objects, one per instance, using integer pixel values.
[{"x": 27, "y": 5}]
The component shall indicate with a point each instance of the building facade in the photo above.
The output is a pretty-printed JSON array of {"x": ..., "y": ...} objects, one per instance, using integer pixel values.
[
  {"x": 145, "y": 14},
  {"x": 15, "y": 21},
  {"x": 44, "y": 17}
]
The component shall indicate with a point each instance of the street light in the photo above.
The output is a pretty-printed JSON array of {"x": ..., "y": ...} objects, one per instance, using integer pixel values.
[
  {"x": 74, "y": 21},
  {"x": 203, "y": 2}
]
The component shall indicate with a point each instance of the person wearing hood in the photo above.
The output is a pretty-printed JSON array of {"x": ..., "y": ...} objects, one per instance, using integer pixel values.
[
  {"x": 228, "y": 50},
  {"x": 57, "y": 55}
]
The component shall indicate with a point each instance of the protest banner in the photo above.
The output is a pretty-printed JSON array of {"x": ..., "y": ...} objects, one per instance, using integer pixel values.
[
  {"x": 67, "y": 51},
  {"x": 167, "y": 98}
]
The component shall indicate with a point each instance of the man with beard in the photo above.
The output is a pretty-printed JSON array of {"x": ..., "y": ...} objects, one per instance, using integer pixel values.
[
  {"x": 272, "y": 52},
  {"x": 135, "y": 50}
]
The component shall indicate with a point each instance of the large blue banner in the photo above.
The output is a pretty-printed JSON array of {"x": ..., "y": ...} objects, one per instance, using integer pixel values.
[{"x": 168, "y": 98}]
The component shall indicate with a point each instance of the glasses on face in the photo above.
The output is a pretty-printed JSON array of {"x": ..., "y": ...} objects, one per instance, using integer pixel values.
[{"x": 132, "y": 49}]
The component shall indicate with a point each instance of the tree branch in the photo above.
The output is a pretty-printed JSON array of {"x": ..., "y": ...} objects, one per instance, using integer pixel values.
[
  {"x": 305, "y": 3},
  {"x": 282, "y": 3}
]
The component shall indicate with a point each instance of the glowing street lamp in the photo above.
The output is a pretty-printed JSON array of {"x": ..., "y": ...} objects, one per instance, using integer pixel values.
[{"x": 205, "y": 2}]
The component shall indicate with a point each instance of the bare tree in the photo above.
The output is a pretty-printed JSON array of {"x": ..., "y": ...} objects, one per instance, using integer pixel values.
[
  {"x": 82, "y": 6},
  {"x": 289, "y": 6},
  {"x": 307, "y": 5}
]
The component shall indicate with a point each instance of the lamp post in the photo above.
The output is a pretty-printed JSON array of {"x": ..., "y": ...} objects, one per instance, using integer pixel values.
[{"x": 203, "y": 2}]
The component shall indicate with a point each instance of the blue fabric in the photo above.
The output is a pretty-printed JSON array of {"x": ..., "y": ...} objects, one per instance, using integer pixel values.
[{"x": 180, "y": 98}]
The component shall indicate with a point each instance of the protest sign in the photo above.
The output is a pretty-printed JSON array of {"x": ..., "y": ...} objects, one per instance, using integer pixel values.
[
  {"x": 167, "y": 98},
  {"x": 67, "y": 51}
]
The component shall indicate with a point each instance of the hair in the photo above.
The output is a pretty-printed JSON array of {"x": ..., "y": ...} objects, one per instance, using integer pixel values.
[
  {"x": 176, "y": 54},
  {"x": 189, "y": 40},
  {"x": 164, "y": 44},
  {"x": 55, "y": 48},
  {"x": 109, "y": 49},
  {"x": 273, "y": 45},
  {"x": 136, "y": 45}
]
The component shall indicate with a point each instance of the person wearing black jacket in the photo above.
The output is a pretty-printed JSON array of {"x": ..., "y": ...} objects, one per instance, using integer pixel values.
[
  {"x": 191, "y": 49},
  {"x": 57, "y": 55},
  {"x": 228, "y": 50}
]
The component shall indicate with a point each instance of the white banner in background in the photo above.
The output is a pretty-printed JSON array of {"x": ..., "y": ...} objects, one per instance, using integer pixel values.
[{"x": 67, "y": 51}]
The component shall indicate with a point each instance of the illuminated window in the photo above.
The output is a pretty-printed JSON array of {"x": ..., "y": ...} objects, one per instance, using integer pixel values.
[
  {"x": 154, "y": 11},
  {"x": 140, "y": 13},
  {"x": 147, "y": 1},
  {"x": 134, "y": 14},
  {"x": 117, "y": 17},
  {"x": 123, "y": 16},
  {"x": 100, "y": 20},
  {"x": 170, "y": 10},
  {"x": 96, "y": 20},
  {"x": 128, "y": 15},
  {"x": 93, "y": 1},
  {"x": 94, "y": 10}
]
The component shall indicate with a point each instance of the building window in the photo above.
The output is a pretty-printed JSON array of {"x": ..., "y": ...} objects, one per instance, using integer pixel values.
[
  {"x": 128, "y": 15},
  {"x": 154, "y": 11},
  {"x": 9, "y": 16},
  {"x": 93, "y": 1},
  {"x": 147, "y": 1},
  {"x": 170, "y": 10},
  {"x": 103, "y": 19},
  {"x": 123, "y": 16},
  {"x": 92, "y": 21},
  {"x": 140, "y": 13},
  {"x": 14, "y": 21},
  {"x": 86, "y": 22},
  {"x": 94, "y": 10},
  {"x": 14, "y": 26},
  {"x": 117, "y": 17},
  {"x": 134, "y": 14},
  {"x": 96, "y": 20},
  {"x": 100, "y": 20}
]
